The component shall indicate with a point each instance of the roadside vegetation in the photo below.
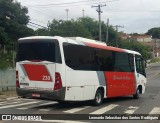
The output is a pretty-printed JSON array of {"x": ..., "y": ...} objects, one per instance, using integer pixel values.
[
  {"x": 155, "y": 60},
  {"x": 7, "y": 94}
]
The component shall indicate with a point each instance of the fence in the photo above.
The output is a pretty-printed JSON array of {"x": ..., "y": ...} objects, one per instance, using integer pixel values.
[{"x": 7, "y": 80}]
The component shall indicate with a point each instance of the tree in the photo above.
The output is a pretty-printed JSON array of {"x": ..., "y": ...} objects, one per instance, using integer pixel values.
[
  {"x": 136, "y": 46},
  {"x": 92, "y": 26},
  {"x": 68, "y": 28},
  {"x": 42, "y": 32},
  {"x": 155, "y": 32},
  {"x": 13, "y": 25},
  {"x": 13, "y": 21},
  {"x": 84, "y": 27}
]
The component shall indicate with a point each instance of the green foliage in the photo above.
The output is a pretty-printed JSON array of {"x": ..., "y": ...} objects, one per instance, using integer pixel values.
[
  {"x": 155, "y": 32},
  {"x": 42, "y": 32},
  {"x": 13, "y": 21},
  {"x": 84, "y": 27},
  {"x": 155, "y": 60},
  {"x": 13, "y": 25},
  {"x": 136, "y": 46},
  {"x": 4, "y": 62},
  {"x": 70, "y": 28}
]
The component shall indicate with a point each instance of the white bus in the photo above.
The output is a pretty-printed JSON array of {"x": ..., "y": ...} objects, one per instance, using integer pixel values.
[{"x": 76, "y": 69}]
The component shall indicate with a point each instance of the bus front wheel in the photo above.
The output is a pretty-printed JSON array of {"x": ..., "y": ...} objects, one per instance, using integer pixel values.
[
  {"x": 98, "y": 98},
  {"x": 136, "y": 95}
]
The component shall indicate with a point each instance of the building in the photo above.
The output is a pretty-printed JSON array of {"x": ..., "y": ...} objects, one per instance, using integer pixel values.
[{"x": 147, "y": 40}]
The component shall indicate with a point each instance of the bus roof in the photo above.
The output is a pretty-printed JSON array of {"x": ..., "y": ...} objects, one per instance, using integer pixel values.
[
  {"x": 38, "y": 37},
  {"x": 85, "y": 41}
]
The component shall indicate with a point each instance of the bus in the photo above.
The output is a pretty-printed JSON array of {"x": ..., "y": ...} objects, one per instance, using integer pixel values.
[{"x": 67, "y": 69}]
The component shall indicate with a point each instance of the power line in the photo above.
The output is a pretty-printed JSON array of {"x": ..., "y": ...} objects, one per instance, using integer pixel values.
[
  {"x": 33, "y": 19},
  {"x": 32, "y": 25},
  {"x": 37, "y": 25},
  {"x": 99, "y": 15},
  {"x": 116, "y": 10},
  {"x": 70, "y": 4},
  {"x": 63, "y": 3}
]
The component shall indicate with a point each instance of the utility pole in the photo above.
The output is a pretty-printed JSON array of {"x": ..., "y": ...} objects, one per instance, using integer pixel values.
[
  {"x": 67, "y": 13},
  {"x": 99, "y": 15},
  {"x": 117, "y": 26},
  {"x": 107, "y": 30},
  {"x": 83, "y": 12}
]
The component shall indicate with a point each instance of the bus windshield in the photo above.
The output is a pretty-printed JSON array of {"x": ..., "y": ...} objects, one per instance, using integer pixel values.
[{"x": 39, "y": 50}]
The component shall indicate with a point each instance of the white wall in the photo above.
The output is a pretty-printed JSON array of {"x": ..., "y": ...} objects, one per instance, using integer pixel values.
[{"x": 7, "y": 80}]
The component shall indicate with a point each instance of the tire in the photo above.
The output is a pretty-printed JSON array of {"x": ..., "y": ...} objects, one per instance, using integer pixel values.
[
  {"x": 63, "y": 102},
  {"x": 98, "y": 98},
  {"x": 136, "y": 95}
]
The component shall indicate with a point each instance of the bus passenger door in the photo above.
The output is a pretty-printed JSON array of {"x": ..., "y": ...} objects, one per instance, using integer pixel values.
[{"x": 140, "y": 73}]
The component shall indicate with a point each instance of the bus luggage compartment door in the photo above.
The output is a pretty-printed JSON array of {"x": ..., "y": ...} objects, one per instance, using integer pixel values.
[{"x": 38, "y": 76}]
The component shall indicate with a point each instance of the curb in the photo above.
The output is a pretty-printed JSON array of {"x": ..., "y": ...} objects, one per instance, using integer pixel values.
[{"x": 10, "y": 98}]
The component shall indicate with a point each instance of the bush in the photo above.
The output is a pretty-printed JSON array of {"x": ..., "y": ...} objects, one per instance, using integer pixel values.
[{"x": 3, "y": 64}]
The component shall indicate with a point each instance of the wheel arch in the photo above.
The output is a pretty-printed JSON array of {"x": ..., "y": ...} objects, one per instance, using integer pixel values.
[{"x": 102, "y": 89}]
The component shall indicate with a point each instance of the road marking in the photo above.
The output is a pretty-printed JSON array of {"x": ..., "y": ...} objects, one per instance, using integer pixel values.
[
  {"x": 3, "y": 102},
  {"x": 155, "y": 110},
  {"x": 28, "y": 99},
  {"x": 9, "y": 106},
  {"x": 24, "y": 108},
  {"x": 104, "y": 109},
  {"x": 131, "y": 110},
  {"x": 45, "y": 109},
  {"x": 76, "y": 109},
  {"x": 6, "y": 103},
  {"x": 47, "y": 103}
]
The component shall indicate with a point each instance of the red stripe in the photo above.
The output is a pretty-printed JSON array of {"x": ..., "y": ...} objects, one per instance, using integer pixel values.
[
  {"x": 37, "y": 72},
  {"x": 104, "y": 47},
  {"x": 120, "y": 83}
]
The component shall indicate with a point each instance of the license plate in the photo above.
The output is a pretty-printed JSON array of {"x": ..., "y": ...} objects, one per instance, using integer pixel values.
[{"x": 35, "y": 95}]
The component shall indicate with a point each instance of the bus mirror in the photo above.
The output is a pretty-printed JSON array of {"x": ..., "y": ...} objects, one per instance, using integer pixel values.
[{"x": 145, "y": 63}]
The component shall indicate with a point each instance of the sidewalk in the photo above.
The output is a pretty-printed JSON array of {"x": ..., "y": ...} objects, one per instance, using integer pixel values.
[{"x": 7, "y": 95}]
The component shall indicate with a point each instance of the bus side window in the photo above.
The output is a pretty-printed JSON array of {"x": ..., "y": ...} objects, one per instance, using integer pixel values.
[
  {"x": 131, "y": 59},
  {"x": 140, "y": 65}
]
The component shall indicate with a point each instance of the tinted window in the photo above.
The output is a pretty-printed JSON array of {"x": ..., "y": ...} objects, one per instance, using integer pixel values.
[
  {"x": 104, "y": 59},
  {"x": 80, "y": 57},
  {"x": 140, "y": 66},
  {"x": 44, "y": 50},
  {"x": 123, "y": 62}
]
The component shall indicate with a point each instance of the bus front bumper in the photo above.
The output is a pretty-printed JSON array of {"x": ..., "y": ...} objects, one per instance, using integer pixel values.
[{"x": 41, "y": 94}]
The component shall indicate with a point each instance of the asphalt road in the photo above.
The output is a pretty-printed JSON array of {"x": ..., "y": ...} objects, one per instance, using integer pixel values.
[{"x": 149, "y": 103}]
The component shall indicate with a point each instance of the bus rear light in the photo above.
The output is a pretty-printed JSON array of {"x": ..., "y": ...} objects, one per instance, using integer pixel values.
[
  {"x": 17, "y": 80},
  {"x": 58, "y": 81}
]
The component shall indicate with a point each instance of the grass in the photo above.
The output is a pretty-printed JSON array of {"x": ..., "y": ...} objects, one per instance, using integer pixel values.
[
  {"x": 7, "y": 94},
  {"x": 155, "y": 60}
]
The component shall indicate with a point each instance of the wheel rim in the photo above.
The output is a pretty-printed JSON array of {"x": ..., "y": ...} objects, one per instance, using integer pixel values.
[
  {"x": 98, "y": 98},
  {"x": 138, "y": 92}
]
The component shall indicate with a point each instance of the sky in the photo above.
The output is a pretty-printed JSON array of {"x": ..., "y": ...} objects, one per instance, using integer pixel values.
[{"x": 137, "y": 16}]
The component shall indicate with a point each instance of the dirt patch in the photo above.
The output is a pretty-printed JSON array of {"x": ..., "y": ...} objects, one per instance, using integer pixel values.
[{"x": 7, "y": 94}]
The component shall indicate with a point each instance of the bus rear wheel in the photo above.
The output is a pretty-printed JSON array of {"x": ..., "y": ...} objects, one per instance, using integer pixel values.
[{"x": 98, "y": 98}]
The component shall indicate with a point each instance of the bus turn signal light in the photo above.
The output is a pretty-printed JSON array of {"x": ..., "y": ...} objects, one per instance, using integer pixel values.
[{"x": 58, "y": 81}]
